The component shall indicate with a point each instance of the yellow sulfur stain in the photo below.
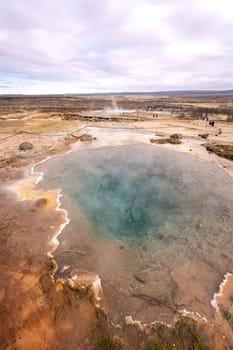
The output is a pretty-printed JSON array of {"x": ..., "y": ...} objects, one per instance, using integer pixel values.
[
  {"x": 23, "y": 193},
  {"x": 27, "y": 193},
  {"x": 59, "y": 287}
]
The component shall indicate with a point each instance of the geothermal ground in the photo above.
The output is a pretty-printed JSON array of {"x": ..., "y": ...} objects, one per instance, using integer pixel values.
[{"x": 40, "y": 308}]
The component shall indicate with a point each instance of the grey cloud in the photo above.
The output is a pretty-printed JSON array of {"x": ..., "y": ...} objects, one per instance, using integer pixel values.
[{"x": 115, "y": 44}]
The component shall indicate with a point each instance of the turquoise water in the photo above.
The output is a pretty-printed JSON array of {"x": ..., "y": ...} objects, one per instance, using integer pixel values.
[
  {"x": 171, "y": 212},
  {"x": 130, "y": 193},
  {"x": 127, "y": 196}
]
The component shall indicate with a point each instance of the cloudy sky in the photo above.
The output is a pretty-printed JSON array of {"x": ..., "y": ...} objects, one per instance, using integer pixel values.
[{"x": 76, "y": 46}]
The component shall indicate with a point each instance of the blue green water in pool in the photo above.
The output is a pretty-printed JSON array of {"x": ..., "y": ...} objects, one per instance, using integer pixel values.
[
  {"x": 125, "y": 196},
  {"x": 130, "y": 193},
  {"x": 170, "y": 211}
]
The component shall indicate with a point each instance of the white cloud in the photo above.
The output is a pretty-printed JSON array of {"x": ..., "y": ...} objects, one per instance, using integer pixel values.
[{"x": 115, "y": 45}]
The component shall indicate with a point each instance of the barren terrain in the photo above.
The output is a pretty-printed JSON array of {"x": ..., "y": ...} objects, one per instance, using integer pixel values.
[{"x": 40, "y": 313}]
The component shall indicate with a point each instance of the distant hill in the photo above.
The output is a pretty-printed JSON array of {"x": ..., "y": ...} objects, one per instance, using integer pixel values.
[
  {"x": 183, "y": 92},
  {"x": 158, "y": 93}
]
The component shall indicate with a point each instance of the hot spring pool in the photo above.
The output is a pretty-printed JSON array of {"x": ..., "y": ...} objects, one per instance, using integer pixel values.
[{"x": 173, "y": 211}]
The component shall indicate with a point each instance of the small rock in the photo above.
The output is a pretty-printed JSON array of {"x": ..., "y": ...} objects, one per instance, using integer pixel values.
[
  {"x": 41, "y": 202},
  {"x": 72, "y": 117},
  {"x": 24, "y": 146},
  {"x": 176, "y": 136},
  {"x": 85, "y": 138},
  {"x": 140, "y": 277},
  {"x": 174, "y": 140},
  {"x": 203, "y": 136}
]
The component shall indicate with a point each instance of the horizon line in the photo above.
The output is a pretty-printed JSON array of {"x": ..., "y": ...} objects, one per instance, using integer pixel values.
[{"x": 123, "y": 92}]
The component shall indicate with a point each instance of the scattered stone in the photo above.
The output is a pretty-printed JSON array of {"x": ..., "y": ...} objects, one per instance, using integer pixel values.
[
  {"x": 204, "y": 136},
  {"x": 225, "y": 151},
  {"x": 95, "y": 118},
  {"x": 176, "y": 136},
  {"x": 72, "y": 117},
  {"x": 173, "y": 141},
  {"x": 85, "y": 138},
  {"x": 140, "y": 277},
  {"x": 25, "y": 146}
]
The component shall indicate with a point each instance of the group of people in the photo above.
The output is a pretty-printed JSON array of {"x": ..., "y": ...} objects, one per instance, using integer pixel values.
[{"x": 205, "y": 117}]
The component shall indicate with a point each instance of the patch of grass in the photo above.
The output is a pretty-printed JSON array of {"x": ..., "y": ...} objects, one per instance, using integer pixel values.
[
  {"x": 229, "y": 154},
  {"x": 199, "y": 345},
  {"x": 104, "y": 342},
  {"x": 152, "y": 345},
  {"x": 50, "y": 125},
  {"x": 188, "y": 333}
]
